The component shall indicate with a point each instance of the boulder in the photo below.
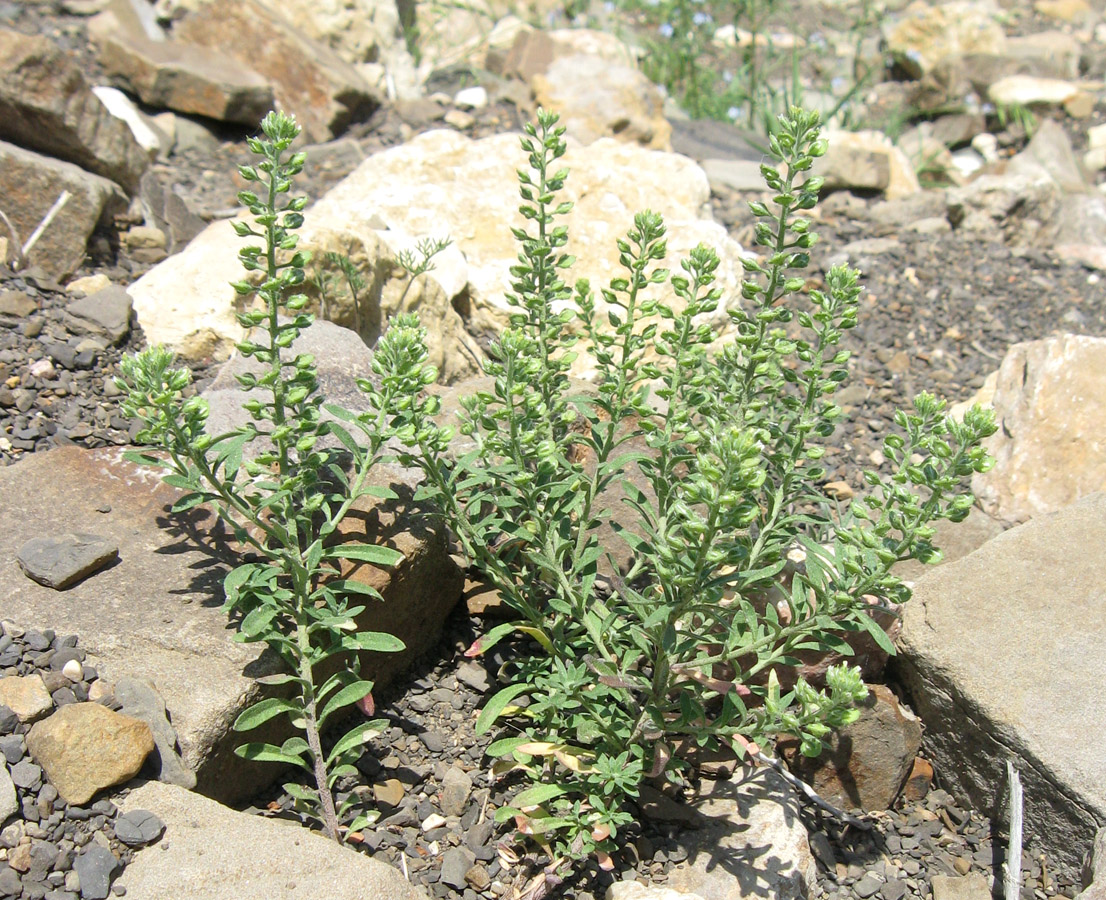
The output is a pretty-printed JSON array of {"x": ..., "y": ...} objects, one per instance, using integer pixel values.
[
  {"x": 31, "y": 183},
  {"x": 925, "y": 34},
  {"x": 257, "y": 858},
  {"x": 751, "y": 841},
  {"x": 184, "y": 77},
  {"x": 598, "y": 99},
  {"x": 46, "y": 105},
  {"x": 158, "y": 617},
  {"x": 865, "y": 764},
  {"x": 866, "y": 161},
  {"x": 323, "y": 91},
  {"x": 1050, "y": 406},
  {"x": 86, "y": 747},
  {"x": 1003, "y": 654}
]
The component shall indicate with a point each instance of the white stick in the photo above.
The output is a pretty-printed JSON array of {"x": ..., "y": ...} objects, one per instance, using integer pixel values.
[
  {"x": 1012, "y": 868},
  {"x": 59, "y": 204}
]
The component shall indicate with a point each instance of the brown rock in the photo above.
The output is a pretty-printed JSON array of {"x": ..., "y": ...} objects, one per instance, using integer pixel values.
[
  {"x": 184, "y": 77},
  {"x": 482, "y": 599},
  {"x": 919, "y": 781},
  {"x": 325, "y": 92},
  {"x": 26, "y": 696},
  {"x": 389, "y": 792},
  {"x": 866, "y": 763},
  {"x": 85, "y": 747},
  {"x": 30, "y": 184},
  {"x": 46, "y": 105}
]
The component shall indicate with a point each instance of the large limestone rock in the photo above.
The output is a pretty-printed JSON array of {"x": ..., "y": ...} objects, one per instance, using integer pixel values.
[
  {"x": 442, "y": 183},
  {"x": 326, "y": 93},
  {"x": 46, "y": 105},
  {"x": 257, "y": 858},
  {"x": 867, "y": 161},
  {"x": 1004, "y": 656},
  {"x": 183, "y": 77},
  {"x": 30, "y": 185},
  {"x": 751, "y": 842},
  {"x": 925, "y": 34},
  {"x": 358, "y": 32},
  {"x": 1050, "y": 402},
  {"x": 156, "y": 614}
]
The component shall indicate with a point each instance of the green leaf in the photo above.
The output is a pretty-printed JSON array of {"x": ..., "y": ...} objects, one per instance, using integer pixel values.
[
  {"x": 539, "y": 794},
  {"x": 878, "y": 634},
  {"x": 262, "y": 711},
  {"x": 370, "y": 553},
  {"x": 376, "y": 641},
  {"x": 348, "y": 695},
  {"x": 495, "y": 706},
  {"x": 269, "y": 753},
  {"x": 506, "y": 746},
  {"x": 360, "y": 735}
]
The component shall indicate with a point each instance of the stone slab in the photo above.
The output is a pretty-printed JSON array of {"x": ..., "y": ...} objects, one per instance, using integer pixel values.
[
  {"x": 1004, "y": 656},
  {"x": 157, "y": 614},
  {"x": 213, "y": 852}
]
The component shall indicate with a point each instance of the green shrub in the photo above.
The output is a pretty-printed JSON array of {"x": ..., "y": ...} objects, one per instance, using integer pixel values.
[
  {"x": 684, "y": 648},
  {"x": 285, "y": 499}
]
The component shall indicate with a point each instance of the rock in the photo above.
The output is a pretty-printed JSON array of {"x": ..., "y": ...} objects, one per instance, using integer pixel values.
[
  {"x": 1050, "y": 152},
  {"x": 60, "y": 562},
  {"x": 17, "y": 304},
  {"x": 258, "y": 859},
  {"x": 358, "y": 32},
  {"x": 966, "y": 887},
  {"x": 139, "y": 699},
  {"x": 475, "y": 676},
  {"x": 46, "y": 105},
  {"x": 85, "y": 747},
  {"x": 323, "y": 91},
  {"x": 26, "y": 696},
  {"x": 455, "y": 865},
  {"x": 89, "y": 284},
  {"x": 1029, "y": 90},
  {"x": 1022, "y": 209},
  {"x": 32, "y": 183},
  {"x": 482, "y": 599},
  {"x": 734, "y": 174},
  {"x": 597, "y": 99},
  {"x": 925, "y": 34},
  {"x": 107, "y": 312},
  {"x": 1094, "y": 870},
  {"x": 170, "y": 74},
  {"x": 139, "y": 827},
  {"x": 150, "y": 138},
  {"x": 635, "y": 890},
  {"x": 866, "y": 763},
  {"x": 96, "y": 866},
  {"x": 389, "y": 792},
  {"x": 752, "y": 842},
  {"x": 1075, "y": 11},
  {"x": 158, "y": 616},
  {"x": 456, "y": 787},
  {"x": 1002, "y": 654},
  {"x": 866, "y": 160},
  {"x": 167, "y": 211},
  {"x": 1050, "y": 400},
  {"x": 919, "y": 781},
  {"x": 9, "y": 803}
]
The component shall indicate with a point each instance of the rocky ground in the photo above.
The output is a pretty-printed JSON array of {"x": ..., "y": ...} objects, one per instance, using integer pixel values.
[{"x": 941, "y": 309}]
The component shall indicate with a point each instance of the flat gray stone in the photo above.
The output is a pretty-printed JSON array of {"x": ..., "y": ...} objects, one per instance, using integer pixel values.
[
  {"x": 158, "y": 616},
  {"x": 97, "y": 867},
  {"x": 139, "y": 699},
  {"x": 138, "y": 827},
  {"x": 61, "y": 561},
  {"x": 9, "y": 803},
  {"x": 1004, "y": 656},
  {"x": 257, "y": 859},
  {"x": 107, "y": 312}
]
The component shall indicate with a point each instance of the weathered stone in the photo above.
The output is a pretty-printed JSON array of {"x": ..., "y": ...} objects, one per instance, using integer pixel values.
[
  {"x": 32, "y": 183},
  {"x": 106, "y": 312},
  {"x": 17, "y": 304},
  {"x": 455, "y": 864},
  {"x": 964, "y": 887},
  {"x": 86, "y": 747},
  {"x": 752, "y": 841},
  {"x": 1050, "y": 402},
  {"x": 258, "y": 859},
  {"x": 139, "y": 699},
  {"x": 1094, "y": 870},
  {"x": 9, "y": 803},
  {"x": 1029, "y": 90},
  {"x": 150, "y": 138},
  {"x": 96, "y": 867},
  {"x": 159, "y": 615},
  {"x": 46, "y": 105},
  {"x": 1023, "y": 209},
  {"x": 362, "y": 32},
  {"x": 325, "y": 93},
  {"x": 925, "y": 34},
  {"x": 456, "y": 787},
  {"x": 866, "y": 160},
  {"x": 635, "y": 890},
  {"x": 26, "y": 696},
  {"x": 184, "y": 77},
  {"x": 864, "y": 764},
  {"x": 1004, "y": 656},
  {"x": 139, "y": 827},
  {"x": 61, "y": 561}
]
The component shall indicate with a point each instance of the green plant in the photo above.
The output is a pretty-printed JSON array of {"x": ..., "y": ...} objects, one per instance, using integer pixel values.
[
  {"x": 281, "y": 493},
  {"x": 740, "y": 560}
]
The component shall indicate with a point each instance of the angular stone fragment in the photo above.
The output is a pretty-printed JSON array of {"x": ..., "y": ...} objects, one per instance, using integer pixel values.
[
  {"x": 46, "y": 105},
  {"x": 325, "y": 93},
  {"x": 925, "y": 34},
  {"x": 31, "y": 183},
  {"x": 866, "y": 160},
  {"x": 61, "y": 561},
  {"x": 106, "y": 312},
  {"x": 26, "y": 696},
  {"x": 138, "y": 827},
  {"x": 9, "y": 803},
  {"x": 86, "y": 747},
  {"x": 139, "y": 699},
  {"x": 170, "y": 74}
]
